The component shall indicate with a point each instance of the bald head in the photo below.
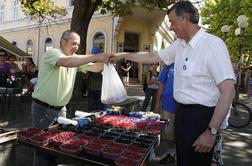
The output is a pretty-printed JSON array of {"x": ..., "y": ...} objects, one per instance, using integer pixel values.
[
  {"x": 66, "y": 35},
  {"x": 69, "y": 42}
]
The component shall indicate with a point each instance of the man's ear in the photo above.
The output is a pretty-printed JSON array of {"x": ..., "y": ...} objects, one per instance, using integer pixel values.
[{"x": 62, "y": 42}]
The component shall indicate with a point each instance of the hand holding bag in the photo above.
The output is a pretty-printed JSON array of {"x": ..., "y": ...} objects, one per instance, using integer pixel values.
[{"x": 113, "y": 90}]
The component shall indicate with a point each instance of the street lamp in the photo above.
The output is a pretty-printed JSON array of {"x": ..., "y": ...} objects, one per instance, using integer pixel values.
[
  {"x": 225, "y": 29},
  {"x": 242, "y": 21}
]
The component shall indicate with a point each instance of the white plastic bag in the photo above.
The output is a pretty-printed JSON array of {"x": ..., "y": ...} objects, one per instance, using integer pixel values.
[{"x": 113, "y": 90}]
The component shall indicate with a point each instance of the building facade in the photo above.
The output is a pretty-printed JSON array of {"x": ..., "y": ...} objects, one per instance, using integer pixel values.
[{"x": 137, "y": 32}]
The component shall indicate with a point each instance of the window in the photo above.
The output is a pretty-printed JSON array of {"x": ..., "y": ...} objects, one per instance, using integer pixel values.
[
  {"x": 48, "y": 44},
  {"x": 1, "y": 13},
  {"x": 16, "y": 8},
  {"x": 99, "y": 41},
  {"x": 29, "y": 47}
]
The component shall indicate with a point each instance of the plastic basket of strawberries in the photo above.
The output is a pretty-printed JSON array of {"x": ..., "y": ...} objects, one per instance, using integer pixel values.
[
  {"x": 41, "y": 139},
  {"x": 126, "y": 162},
  {"x": 27, "y": 134},
  {"x": 70, "y": 148},
  {"x": 62, "y": 138},
  {"x": 93, "y": 148},
  {"x": 111, "y": 153}
]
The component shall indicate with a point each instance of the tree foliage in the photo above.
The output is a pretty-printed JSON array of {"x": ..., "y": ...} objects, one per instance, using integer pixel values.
[
  {"x": 216, "y": 13},
  {"x": 41, "y": 9},
  {"x": 123, "y": 7}
]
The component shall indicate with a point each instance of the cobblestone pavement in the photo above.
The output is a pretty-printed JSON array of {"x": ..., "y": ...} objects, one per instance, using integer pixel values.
[{"x": 237, "y": 142}]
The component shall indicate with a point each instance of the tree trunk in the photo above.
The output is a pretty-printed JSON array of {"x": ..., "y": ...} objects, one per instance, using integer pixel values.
[{"x": 82, "y": 14}]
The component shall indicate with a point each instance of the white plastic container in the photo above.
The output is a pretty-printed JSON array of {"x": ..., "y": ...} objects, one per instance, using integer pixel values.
[{"x": 62, "y": 120}]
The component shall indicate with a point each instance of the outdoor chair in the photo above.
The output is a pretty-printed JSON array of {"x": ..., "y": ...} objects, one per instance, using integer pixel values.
[{"x": 10, "y": 97}]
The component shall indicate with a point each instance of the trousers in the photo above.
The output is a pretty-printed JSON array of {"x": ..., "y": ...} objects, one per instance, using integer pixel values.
[
  {"x": 43, "y": 117},
  {"x": 190, "y": 123}
]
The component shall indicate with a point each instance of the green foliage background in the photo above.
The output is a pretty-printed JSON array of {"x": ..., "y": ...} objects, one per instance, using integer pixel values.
[
  {"x": 40, "y": 9},
  {"x": 216, "y": 13}
]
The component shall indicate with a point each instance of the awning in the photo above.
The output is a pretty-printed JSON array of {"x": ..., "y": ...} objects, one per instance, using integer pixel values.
[{"x": 7, "y": 46}]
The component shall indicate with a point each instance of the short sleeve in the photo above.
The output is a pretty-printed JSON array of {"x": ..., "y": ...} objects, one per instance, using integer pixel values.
[
  {"x": 219, "y": 63},
  {"x": 52, "y": 56},
  {"x": 168, "y": 54}
]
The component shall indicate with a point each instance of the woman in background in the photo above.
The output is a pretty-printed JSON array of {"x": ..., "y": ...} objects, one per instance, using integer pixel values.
[{"x": 153, "y": 83}]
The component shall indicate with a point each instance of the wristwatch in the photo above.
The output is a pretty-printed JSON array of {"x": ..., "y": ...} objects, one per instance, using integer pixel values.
[{"x": 212, "y": 130}]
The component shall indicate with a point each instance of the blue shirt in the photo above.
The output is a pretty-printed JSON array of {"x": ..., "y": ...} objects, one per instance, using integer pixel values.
[{"x": 167, "y": 77}]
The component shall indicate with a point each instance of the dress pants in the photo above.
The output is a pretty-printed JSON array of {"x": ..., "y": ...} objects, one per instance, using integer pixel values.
[{"x": 190, "y": 122}]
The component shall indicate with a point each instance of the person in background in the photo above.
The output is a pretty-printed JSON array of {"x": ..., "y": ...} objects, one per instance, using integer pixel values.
[
  {"x": 94, "y": 87},
  {"x": 54, "y": 88},
  {"x": 125, "y": 66},
  {"x": 13, "y": 64},
  {"x": 217, "y": 159},
  {"x": 151, "y": 91},
  {"x": 203, "y": 83},
  {"x": 167, "y": 109},
  {"x": 29, "y": 67},
  {"x": 31, "y": 86},
  {"x": 5, "y": 68},
  {"x": 29, "y": 70}
]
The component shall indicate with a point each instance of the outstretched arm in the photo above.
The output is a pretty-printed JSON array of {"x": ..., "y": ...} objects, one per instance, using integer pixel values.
[
  {"x": 140, "y": 57},
  {"x": 78, "y": 60}
]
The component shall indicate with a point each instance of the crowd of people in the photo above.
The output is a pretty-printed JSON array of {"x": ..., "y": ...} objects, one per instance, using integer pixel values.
[{"x": 10, "y": 71}]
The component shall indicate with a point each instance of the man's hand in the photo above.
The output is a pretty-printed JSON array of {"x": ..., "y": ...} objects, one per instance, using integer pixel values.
[
  {"x": 102, "y": 57},
  {"x": 204, "y": 142},
  {"x": 116, "y": 56}
]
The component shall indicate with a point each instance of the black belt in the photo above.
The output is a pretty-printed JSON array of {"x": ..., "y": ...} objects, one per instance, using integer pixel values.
[
  {"x": 191, "y": 106},
  {"x": 47, "y": 105}
]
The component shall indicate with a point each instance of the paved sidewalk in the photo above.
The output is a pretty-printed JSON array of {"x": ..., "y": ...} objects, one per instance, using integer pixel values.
[{"x": 237, "y": 142}]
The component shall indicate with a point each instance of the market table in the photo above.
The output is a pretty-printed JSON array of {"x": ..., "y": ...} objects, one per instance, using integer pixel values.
[{"x": 84, "y": 158}]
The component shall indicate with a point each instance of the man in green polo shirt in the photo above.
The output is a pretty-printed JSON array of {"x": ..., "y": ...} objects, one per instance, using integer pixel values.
[{"x": 56, "y": 79}]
